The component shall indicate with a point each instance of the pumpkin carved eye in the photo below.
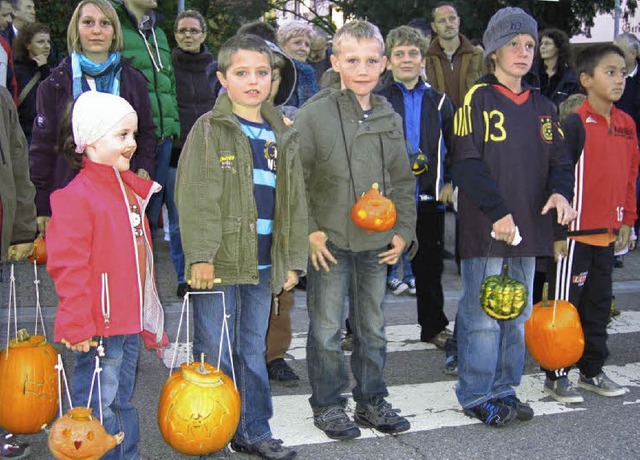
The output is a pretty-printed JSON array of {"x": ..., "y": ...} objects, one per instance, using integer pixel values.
[
  {"x": 90, "y": 435},
  {"x": 66, "y": 433}
]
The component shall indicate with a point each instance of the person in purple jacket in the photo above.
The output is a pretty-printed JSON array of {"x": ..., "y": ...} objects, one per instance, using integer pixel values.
[{"x": 94, "y": 41}]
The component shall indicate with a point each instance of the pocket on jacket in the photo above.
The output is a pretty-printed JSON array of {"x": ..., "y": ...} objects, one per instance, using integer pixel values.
[{"x": 230, "y": 241}]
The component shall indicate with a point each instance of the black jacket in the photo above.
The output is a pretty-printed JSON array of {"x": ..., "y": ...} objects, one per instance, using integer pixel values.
[{"x": 25, "y": 70}]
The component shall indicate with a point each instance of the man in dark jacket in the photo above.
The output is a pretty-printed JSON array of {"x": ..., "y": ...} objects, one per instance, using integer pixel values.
[{"x": 428, "y": 120}]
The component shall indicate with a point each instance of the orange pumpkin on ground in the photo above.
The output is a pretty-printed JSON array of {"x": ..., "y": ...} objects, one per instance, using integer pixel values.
[
  {"x": 199, "y": 409},
  {"x": 39, "y": 251},
  {"x": 28, "y": 384},
  {"x": 79, "y": 436},
  {"x": 373, "y": 211},
  {"x": 553, "y": 333}
]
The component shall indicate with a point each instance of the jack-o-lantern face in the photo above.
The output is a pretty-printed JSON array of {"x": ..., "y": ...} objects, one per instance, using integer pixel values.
[
  {"x": 199, "y": 409},
  {"x": 78, "y": 435},
  {"x": 373, "y": 211},
  {"x": 28, "y": 384}
]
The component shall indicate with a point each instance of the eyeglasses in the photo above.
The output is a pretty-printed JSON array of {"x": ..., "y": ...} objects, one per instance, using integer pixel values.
[{"x": 189, "y": 31}]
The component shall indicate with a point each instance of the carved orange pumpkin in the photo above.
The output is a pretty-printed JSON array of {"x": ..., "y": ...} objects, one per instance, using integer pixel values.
[
  {"x": 28, "y": 384},
  {"x": 373, "y": 211},
  {"x": 553, "y": 333},
  {"x": 39, "y": 251},
  {"x": 199, "y": 409},
  {"x": 78, "y": 435}
]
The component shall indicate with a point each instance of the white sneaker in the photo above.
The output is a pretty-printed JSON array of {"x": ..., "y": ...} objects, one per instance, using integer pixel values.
[
  {"x": 397, "y": 286},
  {"x": 412, "y": 286}
]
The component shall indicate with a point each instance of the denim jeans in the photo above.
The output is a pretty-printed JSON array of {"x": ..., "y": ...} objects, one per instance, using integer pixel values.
[
  {"x": 175, "y": 244},
  {"x": 491, "y": 353},
  {"x": 407, "y": 272},
  {"x": 326, "y": 291},
  {"x": 117, "y": 382},
  {"x": 163, "y": 155},
  {"x": 248, "y": 308}
]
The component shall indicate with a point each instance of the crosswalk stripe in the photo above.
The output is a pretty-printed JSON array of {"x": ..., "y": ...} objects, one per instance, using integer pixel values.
[
  {"x": 406, "y": 337},
  {"x": 429, "y": 406}
]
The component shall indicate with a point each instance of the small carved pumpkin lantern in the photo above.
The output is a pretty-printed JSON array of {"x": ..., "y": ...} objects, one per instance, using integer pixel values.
[
  {"x": 554, "y": 333},
  {"x": 199, "y": 409},
  {"x": 77, "y": 435},
  {"x": 373, "y": 211},
  {"x": 28, "y": 384},
  {"x": 502, "y": 297},
  {"x": 39, "y": 251}
]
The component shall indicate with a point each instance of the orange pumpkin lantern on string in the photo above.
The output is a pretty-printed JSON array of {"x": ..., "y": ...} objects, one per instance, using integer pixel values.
[
  {"x": 554, "y": 333},
  {"x": 199, "y": 409},
  {"x": 373, "y": 211},
  {"x": 79, "y": 436},
  {"x": 39, "y": 251},
  {"x": 28, "y": 384}
]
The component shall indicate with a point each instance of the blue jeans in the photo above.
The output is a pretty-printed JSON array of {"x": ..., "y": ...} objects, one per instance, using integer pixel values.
[
  {"x": 407, "y": 271},
  {"x": 163, "y": 155},
  {"x": 248, "y": 307},
  {"x": 326, "y": 291},
  {"x": 175, "y": 244},
  {"x": 491, "y": 353},
  {"x": 117, "y": 380}
]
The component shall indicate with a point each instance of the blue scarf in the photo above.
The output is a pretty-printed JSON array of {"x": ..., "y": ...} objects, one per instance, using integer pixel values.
[{"x": 106, "y": 74}]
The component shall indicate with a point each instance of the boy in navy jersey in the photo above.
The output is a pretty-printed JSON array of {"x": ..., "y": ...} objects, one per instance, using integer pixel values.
[
  {"x": 511, "y": 168},
  {"x": 240, "y": 194},
  {"x": 604, "y": 147}
]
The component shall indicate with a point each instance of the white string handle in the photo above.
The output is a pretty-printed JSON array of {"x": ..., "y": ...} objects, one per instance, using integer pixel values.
[
  {"x": 62, "y": 376},
  {"x": 39, "y": 316},
  {"x": 12, "y": 306},
  {"x": 96, "y": 378},
  {"x": 557, "y": 289},
  {"x": 223, "y": 333}
]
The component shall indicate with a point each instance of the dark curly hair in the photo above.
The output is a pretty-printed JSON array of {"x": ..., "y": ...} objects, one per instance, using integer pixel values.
[
  {"x": 561, "y": 41},
  {"x": 20, "y": 51}
]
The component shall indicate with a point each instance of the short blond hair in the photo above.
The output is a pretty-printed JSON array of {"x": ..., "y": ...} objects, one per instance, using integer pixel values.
[
  {"x": 293, "y": 29},
  {"x": 73, "y": 36},
  {"x": 359, "y": 30}
]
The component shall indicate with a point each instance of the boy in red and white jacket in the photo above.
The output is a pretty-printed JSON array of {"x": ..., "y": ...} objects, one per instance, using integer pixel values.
[{"x": 604, "y": 146}]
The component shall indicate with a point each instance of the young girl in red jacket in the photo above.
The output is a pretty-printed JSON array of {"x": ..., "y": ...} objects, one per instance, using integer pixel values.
[{"x": 101, "y": 261}]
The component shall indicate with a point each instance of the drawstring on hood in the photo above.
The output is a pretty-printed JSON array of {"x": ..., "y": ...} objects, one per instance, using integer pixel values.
[{"x": 146, "y": 24}]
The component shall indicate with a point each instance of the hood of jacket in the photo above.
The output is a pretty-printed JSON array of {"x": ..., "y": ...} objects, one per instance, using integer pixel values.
[{"x": 288, "y": 77}]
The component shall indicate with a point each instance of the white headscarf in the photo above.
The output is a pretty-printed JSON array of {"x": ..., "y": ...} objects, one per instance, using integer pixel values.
[{"x": 94, "y": 114}]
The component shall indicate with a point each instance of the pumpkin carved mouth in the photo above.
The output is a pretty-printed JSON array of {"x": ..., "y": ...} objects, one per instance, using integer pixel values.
[{"x": 77, "y": 444}]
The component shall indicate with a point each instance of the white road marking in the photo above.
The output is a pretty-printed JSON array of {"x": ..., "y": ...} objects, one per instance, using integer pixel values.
[
  {"x": 429, "y": 406},
  {"x": 406, "y": 337}
]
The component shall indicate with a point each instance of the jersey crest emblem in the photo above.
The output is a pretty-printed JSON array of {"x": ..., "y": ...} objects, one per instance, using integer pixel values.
[{"x": 546, "y": 129}]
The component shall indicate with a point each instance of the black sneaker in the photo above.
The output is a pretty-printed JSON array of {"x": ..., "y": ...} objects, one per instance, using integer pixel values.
[
  {"x": 493, "y": 413},
  {"x": 335, "y": 423},
  {"x": 11, "y": 447},
  {"x": 382, "y": 417},
  {"x": 280, "y": 372},
  {"x": 269, "y": 449},
  {"x": 524, "y": 411}
]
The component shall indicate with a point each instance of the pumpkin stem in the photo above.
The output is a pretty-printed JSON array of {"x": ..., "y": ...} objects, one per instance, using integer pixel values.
[
  {"x": 375, "y": 185},
  {"x": 22, "y": 336},
  {"x": 545, "y": 294},
  {"x": 505, "y": 272}
]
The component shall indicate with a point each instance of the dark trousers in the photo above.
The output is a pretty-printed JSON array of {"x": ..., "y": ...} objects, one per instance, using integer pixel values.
[
  {"x": 427, "y": 268},
  {"x": 586, "y": 282}
]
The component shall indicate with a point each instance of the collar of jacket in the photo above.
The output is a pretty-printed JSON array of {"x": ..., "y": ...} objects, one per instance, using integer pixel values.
[
  {"x": 271, "y": 115},
  {"x": 192, "y": 61},
  {"x": 491, "y": 79},
  {"x": 348, "y": 101},
  {"x": 105, "y": 173},
  {"x": 436, "y": 50}
]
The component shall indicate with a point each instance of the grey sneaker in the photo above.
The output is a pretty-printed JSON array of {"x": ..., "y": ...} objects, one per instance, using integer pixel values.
[
  {"x": 269, "y": 449},
  {"x": 602, "y": 385},
  {"x": 412, "y": 286},
  {"x": 382, "y": 417},
  {"x": 451, "y": 365},
  {"x": 562, "y": 391},
  {"x": 335, "y": 423},
  {"x": 397, "y": 286}
]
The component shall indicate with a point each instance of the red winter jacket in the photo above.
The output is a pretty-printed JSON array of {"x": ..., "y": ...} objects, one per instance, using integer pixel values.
[
  {"x": 90, "y": 234},
  {"x": 606, "y": 157}
]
